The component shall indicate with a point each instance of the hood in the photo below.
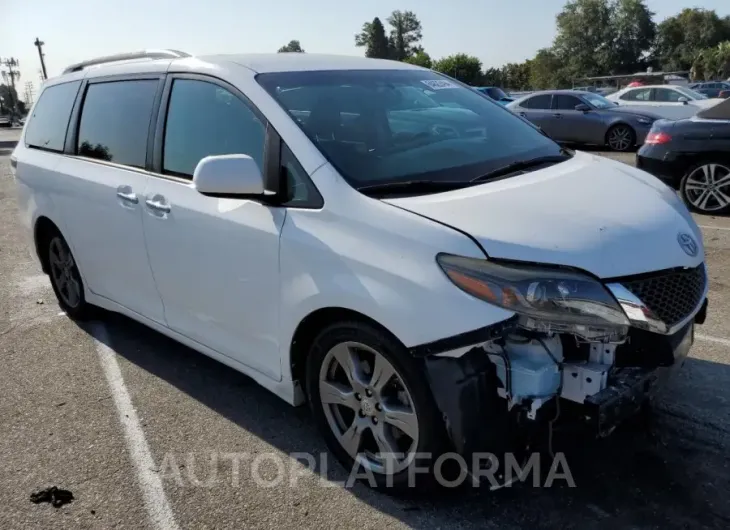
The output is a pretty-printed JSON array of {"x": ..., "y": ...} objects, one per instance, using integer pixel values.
[{"x": 592, "y": 213}]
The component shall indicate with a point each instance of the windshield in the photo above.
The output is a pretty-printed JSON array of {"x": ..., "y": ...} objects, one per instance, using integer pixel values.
[
  {"x": 691, "y": 94},
  {"x": 385, "y": 126},
  {"x": 599, "y": 101}
]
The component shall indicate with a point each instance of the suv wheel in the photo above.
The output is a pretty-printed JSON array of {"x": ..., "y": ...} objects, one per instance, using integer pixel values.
[
  {"x": 706, "y": 188},
  {"x": 372, "y": 405},
  {"x": 65, "y": 278}
]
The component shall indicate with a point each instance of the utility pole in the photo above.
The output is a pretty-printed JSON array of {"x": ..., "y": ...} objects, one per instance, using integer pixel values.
[
  {"x": 28, "y": 94},
  {"x": 39, "y": 44},
  {"x": 12, "y": 66}
]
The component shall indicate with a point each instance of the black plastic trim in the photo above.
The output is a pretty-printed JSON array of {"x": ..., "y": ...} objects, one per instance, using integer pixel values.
[
  {"x": 462, "y": 340},
  {"x": 72, "y": 128}
]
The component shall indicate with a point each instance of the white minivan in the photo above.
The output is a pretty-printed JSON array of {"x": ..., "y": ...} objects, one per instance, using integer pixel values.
[{"x": 428, "y": 270}]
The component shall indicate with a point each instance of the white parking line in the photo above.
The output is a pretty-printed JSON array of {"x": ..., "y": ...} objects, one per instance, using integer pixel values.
[
  {"x": 709, "y": 338},
  {"x": 715, "y": 227},
  {"x": 155, "y": 500}
]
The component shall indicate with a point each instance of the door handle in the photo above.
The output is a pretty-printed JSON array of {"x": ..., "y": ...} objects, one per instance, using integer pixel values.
[
  {"x": 523, "y": 114},
  {"x": 129, "y": 197},
  {"x": 557, "y": 115},
  {"x": 157, "y": 205}
]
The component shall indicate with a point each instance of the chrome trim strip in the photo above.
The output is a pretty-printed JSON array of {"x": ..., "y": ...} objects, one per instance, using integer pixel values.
[{"x": 642, "y": 317}]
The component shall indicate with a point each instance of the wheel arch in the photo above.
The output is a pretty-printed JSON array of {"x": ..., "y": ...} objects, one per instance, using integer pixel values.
[
  {"x": 311, "y": 326},
  {"x": 42, "y": 230}
]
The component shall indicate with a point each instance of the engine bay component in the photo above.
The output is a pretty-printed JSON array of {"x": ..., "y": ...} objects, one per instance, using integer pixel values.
[{"x": 527, "y": 367}]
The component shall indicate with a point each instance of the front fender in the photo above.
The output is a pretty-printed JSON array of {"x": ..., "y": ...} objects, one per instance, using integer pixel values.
[{"x": 388, "y": 274}]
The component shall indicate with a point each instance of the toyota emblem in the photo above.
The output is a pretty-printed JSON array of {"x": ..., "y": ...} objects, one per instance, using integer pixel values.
[{"x": 688, "y": 244}]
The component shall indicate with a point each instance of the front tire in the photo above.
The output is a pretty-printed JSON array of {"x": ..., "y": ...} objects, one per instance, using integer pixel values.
[
  {"x": 705, "y": 188},
  {"x": 369, "y": 398},
  {"x": 621, "y": 138},
  {"x": 65, "y": 278}
]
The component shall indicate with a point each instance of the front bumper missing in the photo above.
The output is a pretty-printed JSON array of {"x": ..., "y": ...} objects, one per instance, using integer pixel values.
[{"x": 466, "y": 389}]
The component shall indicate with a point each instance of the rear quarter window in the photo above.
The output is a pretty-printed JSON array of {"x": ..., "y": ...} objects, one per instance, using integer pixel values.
[{"x": 47, "y": 125}]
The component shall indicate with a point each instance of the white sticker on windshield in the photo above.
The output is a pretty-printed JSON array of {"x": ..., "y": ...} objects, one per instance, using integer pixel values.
[{"x": 439, "y": 84}]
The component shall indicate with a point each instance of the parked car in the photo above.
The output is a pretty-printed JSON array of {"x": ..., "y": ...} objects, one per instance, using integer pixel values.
[
  {"x": 496, "y": 93},
  {"x": 693, "y": 156},
  {"x": 585, "y": 118},
  {"x": 651, "y": 95},
  {"x": 713, "y": 89},
  {"x": 5, "y": 121},
  {"x": 434, "y": 289}
]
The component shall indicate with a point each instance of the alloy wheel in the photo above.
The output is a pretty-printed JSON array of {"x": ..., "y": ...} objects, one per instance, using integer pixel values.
[
  {"x": 707, "y": 188},
  {"x": 368, "y": 407},
  {"x": 620, "y": 138},
  {"x": 62, "y": 272}
]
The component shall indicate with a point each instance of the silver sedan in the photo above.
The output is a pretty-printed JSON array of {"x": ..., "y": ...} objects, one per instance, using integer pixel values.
[{"x": 574, "y": 116}]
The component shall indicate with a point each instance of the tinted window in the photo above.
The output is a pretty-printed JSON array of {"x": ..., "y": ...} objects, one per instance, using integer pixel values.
[
  {"x": 205, "y": 119},
  {"x": 538, "y": 102},
  {"x": 374, "y": 127},
  {"x": 115, "y": 120},
  {"x": 47, "y": 126},
  {"x": 665, "y": 94},
  {"x": 565, "y": 102},
  {"x": 641, "y": 94}
]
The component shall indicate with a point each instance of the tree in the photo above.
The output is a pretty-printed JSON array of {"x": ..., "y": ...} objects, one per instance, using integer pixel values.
[
  {"x": 493, "y": 77},
  {"x": 421, "y": 58},
  {"x": 723, "y": 58},
  {"x": 547, "y": 71},
  {"x": 635, "y": 32},
  {"x": 405, "y": 34},
  {"x": 293, "y": 46},
  {"x": 8, "y": 98},
  {"x": 585, "y": 38},
  {"x": 465, "y": 68},
  {"x": 712, "y": 63},
  {"x": 516, "y": 75},
  {"x": 681, "y": 38},
  {"x": 373, "y": 38}
]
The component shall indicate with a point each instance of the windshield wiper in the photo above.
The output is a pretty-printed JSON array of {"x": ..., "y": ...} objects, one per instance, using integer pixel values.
[
  {"x": 521, "y": 165},
  {"x": 412, "y": 186}
]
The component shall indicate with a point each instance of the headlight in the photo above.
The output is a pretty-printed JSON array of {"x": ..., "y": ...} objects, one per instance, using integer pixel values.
[{"x": 547, "y": 300}]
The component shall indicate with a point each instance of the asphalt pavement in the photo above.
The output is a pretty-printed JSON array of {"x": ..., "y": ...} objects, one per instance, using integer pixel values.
[{"x": 198, "y": 445}]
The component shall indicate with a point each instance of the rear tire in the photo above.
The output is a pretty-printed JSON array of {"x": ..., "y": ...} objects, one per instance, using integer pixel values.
[
  {"x": 705, "y": 188},
  {"x": 621, "y": 138},
  {"x": 350, "y": 398},
  {"x": 65, "y": 277}
]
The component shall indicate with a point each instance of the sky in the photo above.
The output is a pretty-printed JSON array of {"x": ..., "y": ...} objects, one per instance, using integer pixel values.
[{"x": 496, "y": 31}]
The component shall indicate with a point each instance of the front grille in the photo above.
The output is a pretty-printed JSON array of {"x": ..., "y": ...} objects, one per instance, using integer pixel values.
[{"x": 671, "y": 295}]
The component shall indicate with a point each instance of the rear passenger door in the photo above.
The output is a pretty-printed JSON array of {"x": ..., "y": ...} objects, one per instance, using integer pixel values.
[
  {"x": 215, "y": 261},
  {"x": 101, "y": 190},
  {"x": 537, "y": 110}
]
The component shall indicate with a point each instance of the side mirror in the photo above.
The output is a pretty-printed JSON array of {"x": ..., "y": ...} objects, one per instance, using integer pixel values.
[
  {"x": 683, "y": 100},
  {"x": 582, "y": 107},
  {"x": 228, "y": 176}
]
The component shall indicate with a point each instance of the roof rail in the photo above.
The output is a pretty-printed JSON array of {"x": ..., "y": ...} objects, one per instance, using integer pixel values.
[{"x": 142, "y": 54}]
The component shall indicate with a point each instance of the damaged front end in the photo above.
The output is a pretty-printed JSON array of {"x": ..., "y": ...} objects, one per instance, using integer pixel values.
[{"x": 594, "y": 350}]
